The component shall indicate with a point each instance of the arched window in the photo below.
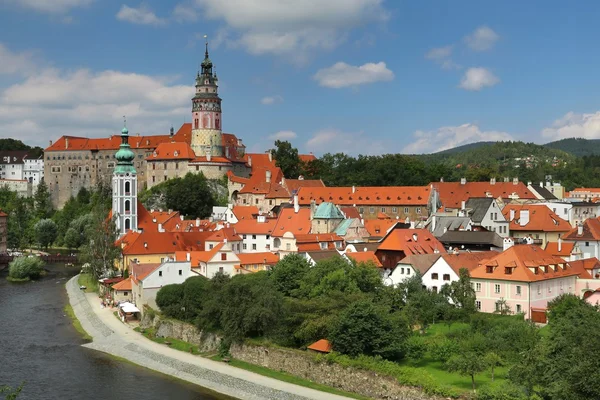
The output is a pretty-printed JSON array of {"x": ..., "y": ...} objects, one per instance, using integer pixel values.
[
  {"x": 277, "y": 243},
  {"x": 127, "y": 206},
  {"x": 196, "y": 123},
  {"x": 127, "y": 187},
  {"x": 127, "y": 224}
]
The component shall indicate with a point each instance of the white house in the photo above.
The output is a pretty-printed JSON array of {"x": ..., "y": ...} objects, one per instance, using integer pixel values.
[
  {"x": 586, "y": 237},
  {"x": 146, "y": 285},
  {"x": 256, "y": 233},
  {"x": 485, "y": 212},
  {"x": 447, "y": 267},
  {"x": 33, "y": 170}
]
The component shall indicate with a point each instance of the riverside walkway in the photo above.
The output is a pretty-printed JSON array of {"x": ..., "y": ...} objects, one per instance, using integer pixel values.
[{"x": 113, "y": 337}]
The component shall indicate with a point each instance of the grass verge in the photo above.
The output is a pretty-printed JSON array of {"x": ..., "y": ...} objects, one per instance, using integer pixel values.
[
  {"x": 18, "y": 280},
  {"x": 89, "y": 282},
  {"x": 71, "y": 314}
]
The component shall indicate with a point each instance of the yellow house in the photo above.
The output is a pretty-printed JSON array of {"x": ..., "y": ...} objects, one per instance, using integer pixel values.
[{"x": 537, "y": 222}]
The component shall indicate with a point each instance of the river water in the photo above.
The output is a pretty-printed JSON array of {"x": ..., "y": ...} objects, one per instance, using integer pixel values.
[{"x": 39, "y": 345}]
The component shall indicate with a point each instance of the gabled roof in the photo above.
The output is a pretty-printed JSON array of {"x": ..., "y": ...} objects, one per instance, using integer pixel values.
[
  {"x": 366, "y": 195},
  {"x": 542, "y": 192},
  {"x": 328, "y": 210},
  {"x": 452, "y": 194},
  {"x": 307, "y": 157},
  {"x": 478, "y": 207},
  {"x": 290, "y": 221},
  {"x": 566, "y": 248},
  {"x": 520, "y": 262},
  {"x": 253, "y": 227},
  {"x": 149, "y": 242},
  {"x": 449, "y": 223},
  {"x": 196, "y": 257},
  {"x": 321, "y": 255},
  {"x": 314, "y": 242},
  {"x": 267, "y": 258},
  {"x": 13, "y": 156},
  {"x": 322, "y": 346},
  {"x": 472, "y": 237},
  {"x": 226, "y": 233},
  {"x": 411, "y": 241},
  {"x": 139, "y": 272},
  {"x": 244, "y": 212},
  {"x": 293, "y": 185},
  {"x": 585, "y": 267},
  {"x": 541, "y": 218},
  {"x": 421, "y": 262},
  {"x": 591, "y": 231},
  {"x": 124, "y": 285},
  {"x": 172, "y": 151},
  {"x": 365, "y": 257},
  {"x": 379, "y": 227},
  {"x": 350, "y": 212},
  {"x": 466, "y": 260},
  {"x": 343, "y": 226}
]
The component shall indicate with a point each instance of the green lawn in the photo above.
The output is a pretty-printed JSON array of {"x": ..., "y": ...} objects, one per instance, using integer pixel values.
[
  {"x": 76, "y": 323},
  {"x": 89, "y": 282},
  {"x": 174, "y": 343}
]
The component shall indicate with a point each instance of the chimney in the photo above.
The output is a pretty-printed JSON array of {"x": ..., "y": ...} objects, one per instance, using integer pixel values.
[
  {"x": 579, "y": 229},
  {"x": 524, "y": 217},
  {"x": 181, "y": 216},
  {"x": 270, "y": 156},
  {"x": 160, "y": 228},
  {"x": 353, "y": 189},
  {"x": 541, "y": 184},
  {"x": 268, "y": 176},
  {"x": 463, "y": 181},
  {"x": 412, "y": 224},
  {"x": 51, "y": 143},
  {"x": 301, "y": 177},
  {"x": 445, "y": 229},
  {"x": 492, "y": 181},
  {"x": 66, "y": 143},
  {"x": 208, "y": 156},
  {"x": 296, "y": 205},
  {"x": 249, "y": 161},
  {"x": 189, "y": 257},
  {"x": 463, "y": 205},
  {"x": 507, "y": 243},
  {"x": 559, "y": 245},
  {"x": 171, "y": 131},
  {"x": 515, "y": 181},
  {"x": 512, "y": 215},
  {"x": 197, "y": 222}
]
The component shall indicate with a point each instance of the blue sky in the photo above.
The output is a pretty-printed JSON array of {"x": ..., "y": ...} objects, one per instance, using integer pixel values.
[{"x": 359, "y": 76}]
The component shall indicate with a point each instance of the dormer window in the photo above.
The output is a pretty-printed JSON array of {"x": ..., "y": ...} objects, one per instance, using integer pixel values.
[
  {"x": 508, "y": 270},
  {"x": 176, "y": 153},
  {"x": 154, "y": 154},
  {"x": 489, "y": 269},
  {"x": 545, "y": 269}
]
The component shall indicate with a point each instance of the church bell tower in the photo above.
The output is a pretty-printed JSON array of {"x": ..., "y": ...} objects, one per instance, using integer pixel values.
[
  {"x": 124, "y": 181},
  {"x": 206, "y": 112}
]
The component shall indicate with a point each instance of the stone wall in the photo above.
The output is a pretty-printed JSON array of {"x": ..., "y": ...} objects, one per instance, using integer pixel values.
[
  {"x": 206, "y": 342},
  {"x": 304, "y": 365}
]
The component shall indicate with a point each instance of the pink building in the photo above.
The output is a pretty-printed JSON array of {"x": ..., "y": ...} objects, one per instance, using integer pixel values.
[
  {"x": 526, "y": 278},
  {"x": 588, "y": 282}
]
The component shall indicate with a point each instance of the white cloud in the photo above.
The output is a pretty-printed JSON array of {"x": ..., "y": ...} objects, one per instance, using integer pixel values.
[
  {"x": 184, "y": 13},
  {"x": 50, "y": 103},
  {"x": 16, "y": 63},
  {"x": 141, "y": 15},
  {"x": 477, "y": 79},
  {"x": 269, "y": 100},
  {"x": 51, "y": 6},
  {"x": 574, "y": 125},
  {"x": 439, "y": 53},
  {"x": 483, "y": 38},
  {"x": 343, "y": 75},
  {"x": 283, "y": 135},
  {"x": 337, "y": 141},
  {"x": 448, "y": 137},
  {"x": 291, "y": 28}
]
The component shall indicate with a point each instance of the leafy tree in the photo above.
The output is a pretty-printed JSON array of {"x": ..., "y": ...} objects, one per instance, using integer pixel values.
[
  {"x": 461, "y": 293},
  {"x": 25, "y": 268},
  {"x": 72, "y": 239},
  {"x": 190, "y": 195},
  {"x": 444, "y": 350},
  {"x": 289, "y": 272},
  {"x": 46, "y": 232},
  {"x": 43, "y": 203},
  {"x": 100, "y": 250},
  {"x": 195, "y": 292},
  {"x": 416, "y": 348},
  {"x": 493, "y": 360},
  {"x": 467, "y": 364},
  {"x": 286, "y": 158},
  {"x": 170, "y": 301}
]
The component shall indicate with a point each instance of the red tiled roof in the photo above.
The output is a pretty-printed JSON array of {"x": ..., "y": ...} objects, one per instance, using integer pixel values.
[
  {"x": 566, "y": 248},
  {"x": 452, "y": 194},
  {"x": 591, "y": 231},
  {"x": 213, "y": 159},
  {"x": 322, "y": 346},
  {"x": 295, "y": 184},
  {"x": 253, "y": 227},
  {"x": 541, "y": 218},
  {"x": 365, "y": 257},
  {"x": 379, "y": 227},
  {"x": 226, "y": 233},
  {"x": 289, "y": 221},
  {"x": 266, "y": 258},
  {"x": 124, "y": 285},
  {"x": 350, "y": 212},
  {"x": 138, "y": 272},
  {"x": 411, "y": 241},
  {"x": 196, "y": 257},
  {"x": 148, "y": 242},
  {"x": 349, "y": 196},
  {"x": 307, "y": 157},
  {"x": 172, "y": 151},
  {"x": 518, "y": 260},
  {"x": 469, "y": 261},
  {"x": 236, "y": 179},
  {"x": 244, "y": 212},
  {"x": 585, "y": 267}
]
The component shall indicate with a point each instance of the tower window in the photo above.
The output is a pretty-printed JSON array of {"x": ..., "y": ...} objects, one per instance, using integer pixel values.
[
  {"x": 127, "y": 187},
  {"x": 196, "y": 123},
  {"x": 127, "y": 224},
  {"x": 127, "y": 206}
]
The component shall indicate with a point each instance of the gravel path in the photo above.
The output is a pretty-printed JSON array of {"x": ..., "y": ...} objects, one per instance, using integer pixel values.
[{"x": 113, "y": 337}]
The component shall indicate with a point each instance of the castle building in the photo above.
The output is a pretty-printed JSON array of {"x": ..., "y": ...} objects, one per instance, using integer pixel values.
[
  {"x": 72, "y": 163},
  {"x": 124, "y": 208}
]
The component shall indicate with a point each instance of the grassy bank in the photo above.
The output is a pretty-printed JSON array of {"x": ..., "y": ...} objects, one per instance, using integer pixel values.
[
  {"x": 282, "y": 376},
  {"x": 89, "y": 282},
  {"x": 71, "y": 314}
]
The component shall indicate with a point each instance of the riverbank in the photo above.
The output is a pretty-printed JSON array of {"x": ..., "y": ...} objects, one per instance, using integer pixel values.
[{"x": 115, "y": 338}]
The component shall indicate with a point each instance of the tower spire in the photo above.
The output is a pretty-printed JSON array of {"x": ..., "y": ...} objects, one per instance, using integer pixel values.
[{"x": 206, "y": 44}]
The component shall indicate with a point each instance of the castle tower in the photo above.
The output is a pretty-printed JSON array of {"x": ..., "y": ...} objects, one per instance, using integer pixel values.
[
  {"x": 124, "y": 206},
  {"x": 206, "y": 112}
]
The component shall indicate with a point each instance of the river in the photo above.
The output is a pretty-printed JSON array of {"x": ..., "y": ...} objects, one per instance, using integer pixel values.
[{"x": 39, "y": 345}]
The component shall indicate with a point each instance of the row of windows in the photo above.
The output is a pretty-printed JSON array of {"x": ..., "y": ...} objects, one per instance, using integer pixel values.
[
  {"x": 63, "y": 157},
  {"x": 497, "y": 288},
  {"x": 445, "y": 277},
  {"x": 394, "y": 210},
  {"x": 518, "y": 308}
]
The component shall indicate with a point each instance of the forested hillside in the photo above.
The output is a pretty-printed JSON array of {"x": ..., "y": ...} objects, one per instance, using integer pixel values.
[
  {"x": 577, "y": 146},
  {"x": 14, "y": 144}
]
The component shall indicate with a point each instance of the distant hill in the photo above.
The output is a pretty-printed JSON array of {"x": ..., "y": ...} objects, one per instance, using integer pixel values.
[
  {"x": 464, "y": 147},
  {"x": 577, "y": 146},
  {"x": 14, "y": 144}
]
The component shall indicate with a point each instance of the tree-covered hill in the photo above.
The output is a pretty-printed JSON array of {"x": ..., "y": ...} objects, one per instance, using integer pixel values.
[
  {"x": 577, "y": 146},
  {"x": 464, "y": 147},
  {"x": 14, "y": 144}
]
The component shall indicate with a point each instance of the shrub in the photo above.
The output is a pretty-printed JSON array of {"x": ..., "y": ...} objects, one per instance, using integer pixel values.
[
  {"x": 415, "y": 348},
  {"x": 443, "y": 350},
  {"x": 170, "y": 300},
  {"x": 500, "y": 391},
  {"x": 25, "y": 268}
]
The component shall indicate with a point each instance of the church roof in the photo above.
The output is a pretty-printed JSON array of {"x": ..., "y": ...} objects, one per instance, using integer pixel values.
[{"x": 327, "y": 210}]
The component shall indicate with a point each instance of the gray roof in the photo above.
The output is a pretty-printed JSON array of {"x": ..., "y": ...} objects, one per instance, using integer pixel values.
[
  {"x": 472, "y": 237},
  {"x": 478, "y": 207},
  {"x": 543, "y": 192},
  {"x": 13, "y": 156},
  {"x": 450, "y": 223},
  {"x": 322, "y": 255},
  {"x": 421, "y": 262}
]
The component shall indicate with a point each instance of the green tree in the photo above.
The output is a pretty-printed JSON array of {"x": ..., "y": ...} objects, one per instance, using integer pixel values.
[
  {"x": 286, "y": 158},
  {"x": 72, "y": 239},
  {"x": 461, "y": 293},
  {"x": 25, "y": 268},
  {"x": 190, "y": 195},
  {"x": 100, "y": 251},
  {"x": 170, "y": 300},
  {"x": 289, "y": 272},
  {"x": 467, "y": 364},
  {"x": 493, "y": 360},
  {"x": 42, "y": 201},
  {"x": 46, "y": 232}
]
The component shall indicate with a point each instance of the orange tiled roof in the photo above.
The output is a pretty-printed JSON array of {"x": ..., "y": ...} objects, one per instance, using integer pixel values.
[
  {"x": 591, "y": 231},
  {"x": 322, "y": 346},
  {"x": 226, "y": 233},
  {"x": 585, "y": 267},
  {"x": 307, "y": 157},
  {"x": 565, "y": 250},
  {"x": 236, "y": 179},
  {"x": 379, "y": 227},
  {"x": 350, "y": 212},
  {"x": 213, "y": 159},
  {"x": 124, "y": 285},
  {"x": 172, "y": 151},
  {"x": 411, "y": 241},
  {"x": 541, "y": 218},
  {"x": 295, "y": 184},
  {"x": 148, "y": 242},
  {"x": 196, "y": 257},
  {"x": 349, "y": 196},
  {"x": 452, "y": 194},
  {"x": 138, "y": 272},
  {"x": 253, "y": 227},
  {"x": 365, "y": 257},
  {"x": 289, "y": 221},
  {"x": 244, "y": 212},
  {"x": 521, "y": 261},
  {"x": 258, "y": 258},
  {"x": 469, "y": 261}
]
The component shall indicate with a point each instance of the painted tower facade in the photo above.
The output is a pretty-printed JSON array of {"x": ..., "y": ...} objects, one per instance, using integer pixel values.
[
  {"x": 206, "y": 112},
  {"x": 124, "y": 179}
]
